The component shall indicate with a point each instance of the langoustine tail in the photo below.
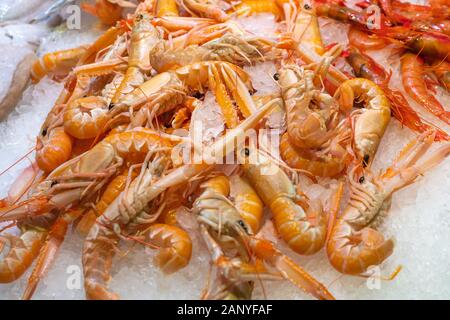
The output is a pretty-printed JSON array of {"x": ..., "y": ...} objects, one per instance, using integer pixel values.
[{"x": 175, "y": 247}]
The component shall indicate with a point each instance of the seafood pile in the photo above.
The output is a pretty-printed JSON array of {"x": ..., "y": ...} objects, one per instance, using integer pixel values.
[{"x": 162, "y": 137}]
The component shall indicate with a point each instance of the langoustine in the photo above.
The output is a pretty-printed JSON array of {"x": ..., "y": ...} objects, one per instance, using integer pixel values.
[
  {"x": 228, "y": 223},
  {"x": 128, "y": 191}
]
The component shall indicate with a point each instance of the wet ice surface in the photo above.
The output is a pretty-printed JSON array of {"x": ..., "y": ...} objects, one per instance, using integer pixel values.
[
  {"x": 22, "y": 34},
  {"x": 207, "y": 120},
  {"x": 419, "y": 221}
]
